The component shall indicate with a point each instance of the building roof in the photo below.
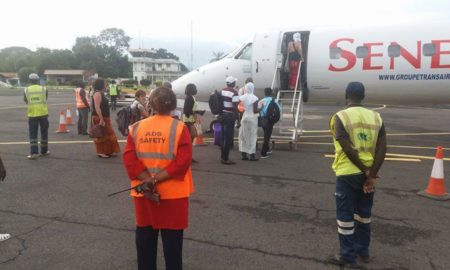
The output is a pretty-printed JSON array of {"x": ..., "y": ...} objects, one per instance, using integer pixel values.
[
  {"x": 64, "y": 72},
  {"x": 152, "y": 60},
  {"x": 8, "y": 75}
]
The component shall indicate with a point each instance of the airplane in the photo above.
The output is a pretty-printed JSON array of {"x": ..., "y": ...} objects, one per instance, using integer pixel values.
[{"x": 404, "y": 64}]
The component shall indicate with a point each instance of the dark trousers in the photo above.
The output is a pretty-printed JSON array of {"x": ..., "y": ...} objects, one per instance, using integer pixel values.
[
  {"x": 228, "y": 120},
  {"x": 353, "y": 212},
  {"x": 113, "y": 102},
  {"x": 267, "y": 134},
  {"x": 147, "y": 247},
  {"x": 83, "y": 116},
  {"x": 33, "y": 125}
]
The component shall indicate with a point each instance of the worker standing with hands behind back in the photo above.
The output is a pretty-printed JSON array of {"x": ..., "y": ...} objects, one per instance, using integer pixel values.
[
  {"x": 35, "y": 96},
  {"x": 158, "y": 153},
  {"x": 360, "y": 147}
]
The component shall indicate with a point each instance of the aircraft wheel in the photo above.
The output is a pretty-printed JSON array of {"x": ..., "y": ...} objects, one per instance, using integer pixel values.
[{"x": 305, "y": 94}]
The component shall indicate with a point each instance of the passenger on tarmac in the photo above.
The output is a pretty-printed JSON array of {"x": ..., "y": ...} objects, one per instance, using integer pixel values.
[
  {"x": 248, "y": 132},
  {"x": 106, "y": 146},
  {"x": 189, "y": 108},
  {"x": 138, "y": 106},
  {"x": 3, "y": 236},
  {"x": 82, "y": 99},
  {"x": 35, "y": 96},
  {"x": 113, "y": 92},
  {"x": 157, "y": 84},
  {"x": 243, "y": 91},
  {"x": 190, "y": 116},
  {"x": 267, "y": 126},
  {"x": 163, "y": 206},
  {"x": 360, "y": 147},
  {"x": 229, "y": 116}
]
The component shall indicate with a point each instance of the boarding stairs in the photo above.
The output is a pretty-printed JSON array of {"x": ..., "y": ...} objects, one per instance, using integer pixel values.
[{"x": 290, "y": 126}]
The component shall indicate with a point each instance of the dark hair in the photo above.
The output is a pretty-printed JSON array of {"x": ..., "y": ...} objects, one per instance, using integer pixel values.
[
  {"x": 140, "y": 93},
  {"x": 163, "y": 100},
  {"x": 191, "y": 90},
  {"x": 233, "y": 84},
  {"x": 99, "y": 84},
  {"x": 167, "y": 84},
  {"x": 249, "y": 79},
  {"x": 81, "y": 84},
  {"x": 355, "y": 91},
  {"x": 267, "y": 91}
]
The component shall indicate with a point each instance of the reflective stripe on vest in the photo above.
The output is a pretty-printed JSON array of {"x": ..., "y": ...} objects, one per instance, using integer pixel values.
[
  {"x": 156, "y": 142},
  {"x": 113, "y": 90},
  {"x": 37, "y": 101},
  {"x": 362, "y": 126},
  {"x": 80, "y": 103}
]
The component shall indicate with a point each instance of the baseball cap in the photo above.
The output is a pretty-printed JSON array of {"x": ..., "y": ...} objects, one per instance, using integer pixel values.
[
  {"x": 230, "y": 80},
  {"x": 33, "y": 76}
]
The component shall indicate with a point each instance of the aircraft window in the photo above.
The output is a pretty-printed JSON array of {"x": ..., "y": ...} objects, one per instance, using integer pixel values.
[
  {"x": 429, "y": 49},
  {"x": 335, "y": 53},
  {"x": 362, "y": 51},
  {"x": 394, "y": 50},
  {"x": 245, "y": 53}
]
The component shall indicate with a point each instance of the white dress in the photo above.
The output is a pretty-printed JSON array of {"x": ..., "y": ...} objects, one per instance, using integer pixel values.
[{"x": 248, "y": 131}]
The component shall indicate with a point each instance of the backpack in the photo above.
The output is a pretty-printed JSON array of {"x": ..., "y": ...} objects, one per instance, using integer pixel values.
[
  {"x": 273, "y": 112},
  {"x": 126, "y": 117},
  {"x": 216, "y": 102}
]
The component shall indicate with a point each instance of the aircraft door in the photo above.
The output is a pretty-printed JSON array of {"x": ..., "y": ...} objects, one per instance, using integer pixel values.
[{"x": 263, "y": 58}]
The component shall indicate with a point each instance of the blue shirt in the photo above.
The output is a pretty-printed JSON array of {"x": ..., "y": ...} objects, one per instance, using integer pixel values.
[{"x": 266, "y": 101}]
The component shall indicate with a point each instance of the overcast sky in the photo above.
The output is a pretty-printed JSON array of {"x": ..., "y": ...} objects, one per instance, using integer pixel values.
[{"x": 223, "y": 24}]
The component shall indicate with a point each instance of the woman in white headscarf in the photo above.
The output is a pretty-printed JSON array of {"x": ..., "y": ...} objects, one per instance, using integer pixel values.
[
  {"x": 295, "y": 57},
  {"x": 249, "y": 124}
]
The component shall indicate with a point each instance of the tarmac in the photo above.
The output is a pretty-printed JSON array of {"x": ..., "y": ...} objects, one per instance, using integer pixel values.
[{"x": 276, "y": 213}]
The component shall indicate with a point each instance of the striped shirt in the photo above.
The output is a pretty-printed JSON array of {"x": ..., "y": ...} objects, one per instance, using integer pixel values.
[{"x": 229, "y": 96}]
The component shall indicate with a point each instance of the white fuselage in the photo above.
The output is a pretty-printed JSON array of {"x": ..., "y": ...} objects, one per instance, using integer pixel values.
[{"x": 397, "y": 64}]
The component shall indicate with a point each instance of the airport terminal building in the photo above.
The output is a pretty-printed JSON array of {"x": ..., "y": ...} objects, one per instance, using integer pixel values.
[{"x": 145, "y": 66}]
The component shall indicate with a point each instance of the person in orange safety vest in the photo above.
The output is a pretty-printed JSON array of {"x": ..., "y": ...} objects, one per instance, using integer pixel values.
[
  {"x": 82, "y": 98},
  {"x": 159, "y": 153}
]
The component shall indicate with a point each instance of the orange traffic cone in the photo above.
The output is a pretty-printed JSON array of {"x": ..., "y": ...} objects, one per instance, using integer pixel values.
[
  {"x": 68, "y": 117},
  {"x": 436, "y": 185},
  {"x": 62, "y": 123},
  {"x": 198, "y": 140}
]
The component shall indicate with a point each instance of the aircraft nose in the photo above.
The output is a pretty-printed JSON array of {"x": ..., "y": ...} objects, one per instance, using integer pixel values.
[{"x": 179, "y": 85}]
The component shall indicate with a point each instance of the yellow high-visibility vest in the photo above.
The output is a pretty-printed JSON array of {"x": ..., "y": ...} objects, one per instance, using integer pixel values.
[
  {"x": 37, "y": 101},
  {"x": 362, "y": 126},
  {"x": 113, "y": 90}
]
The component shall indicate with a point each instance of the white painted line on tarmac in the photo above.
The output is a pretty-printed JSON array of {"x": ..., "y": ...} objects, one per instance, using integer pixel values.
[
  {"x": 388, "y": 158},
  {"x": 380, "y": 108},
  {"x": 25, "y": 106},
  {"x": 53, "y": 142},
  {"x": 414, "y": 156},
  {"x": 419, "y": 134}
]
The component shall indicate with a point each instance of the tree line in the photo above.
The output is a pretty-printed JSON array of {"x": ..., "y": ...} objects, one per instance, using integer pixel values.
[{"x": 105, "y": 54}]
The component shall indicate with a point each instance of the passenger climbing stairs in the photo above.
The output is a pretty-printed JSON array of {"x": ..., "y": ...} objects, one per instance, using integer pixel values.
[{"x": 290, "y": 126}]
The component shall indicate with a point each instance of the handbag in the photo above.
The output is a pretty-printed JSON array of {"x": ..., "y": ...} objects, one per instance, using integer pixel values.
[
  {"x": 192, "y": 130},
  {"x": 97, "y": 131}
]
